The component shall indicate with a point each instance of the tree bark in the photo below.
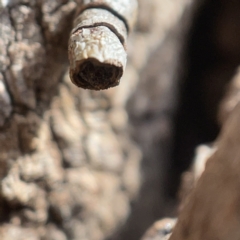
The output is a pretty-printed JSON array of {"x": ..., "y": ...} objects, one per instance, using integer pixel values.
[{"x": 68, "y": 167}]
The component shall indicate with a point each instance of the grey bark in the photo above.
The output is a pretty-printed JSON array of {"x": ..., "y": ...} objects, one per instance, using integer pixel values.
[{"x": 68, "y": 168}]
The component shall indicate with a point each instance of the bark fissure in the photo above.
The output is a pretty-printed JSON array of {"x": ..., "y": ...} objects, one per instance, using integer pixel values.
[{"x": 105, "y": 7}]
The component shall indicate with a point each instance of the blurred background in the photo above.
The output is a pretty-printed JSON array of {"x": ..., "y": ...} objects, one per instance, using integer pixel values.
[
  {"x": 79, "y": 164},
  {"x": 191, "y": 58}
]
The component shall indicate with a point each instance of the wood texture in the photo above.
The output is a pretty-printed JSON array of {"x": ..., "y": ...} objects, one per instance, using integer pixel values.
[{"x": 97, "y": 46}]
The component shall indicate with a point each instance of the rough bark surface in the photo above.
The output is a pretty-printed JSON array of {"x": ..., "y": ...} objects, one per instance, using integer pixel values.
[{"x": 68, "y": 168}]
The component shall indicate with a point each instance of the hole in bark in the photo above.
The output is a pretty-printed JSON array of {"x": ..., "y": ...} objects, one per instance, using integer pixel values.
[
  {"x": 97, "y": 76},
  {"x": 5, "y": 211}
]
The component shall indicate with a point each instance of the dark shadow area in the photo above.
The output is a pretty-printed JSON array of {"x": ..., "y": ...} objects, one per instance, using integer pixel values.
[{"x": 209, "y": 69}]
